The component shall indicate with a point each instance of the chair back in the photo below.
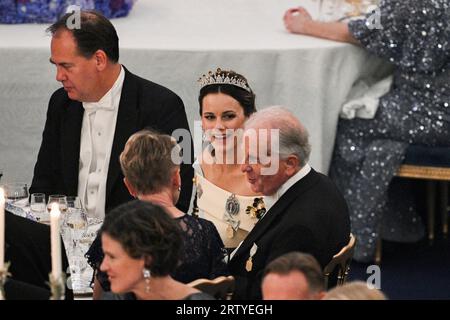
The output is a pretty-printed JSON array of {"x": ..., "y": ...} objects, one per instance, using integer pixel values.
[
  {"x": 340, "y": 261},
  {"x": 220, "y": 288}
]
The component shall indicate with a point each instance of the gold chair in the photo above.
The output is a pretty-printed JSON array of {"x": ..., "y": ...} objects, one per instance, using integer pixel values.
[
  {"x": 341, "y": 261},
  {"x": 220, "y": 288},
  {"x": 431, "y": 164},
  {"x": 433, "y": 175}
]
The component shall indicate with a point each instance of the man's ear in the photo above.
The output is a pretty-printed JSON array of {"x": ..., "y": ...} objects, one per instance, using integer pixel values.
[
  {"x": 101, "y": 60},
  {"x": 130, "y": 188},
  {"x": 292, "y": 165}
]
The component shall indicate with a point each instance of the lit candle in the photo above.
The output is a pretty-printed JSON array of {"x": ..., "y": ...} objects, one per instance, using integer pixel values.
[
  {"x": 2, "y": 229},
  {"x": 55, "y": 241}
]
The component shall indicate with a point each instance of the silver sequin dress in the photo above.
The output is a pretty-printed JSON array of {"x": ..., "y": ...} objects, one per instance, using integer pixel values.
[{"x": 416, "y": 39}]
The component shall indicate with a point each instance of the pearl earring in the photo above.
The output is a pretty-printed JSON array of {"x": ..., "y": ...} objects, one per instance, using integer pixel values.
[{"x": 147, "y": 274}]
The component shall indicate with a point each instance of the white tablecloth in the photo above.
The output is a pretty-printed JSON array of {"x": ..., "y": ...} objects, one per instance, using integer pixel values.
[{"x": 173, "y": 42}]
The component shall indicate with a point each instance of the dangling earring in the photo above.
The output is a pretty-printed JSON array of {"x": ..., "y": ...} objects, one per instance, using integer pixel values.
[{"x": 146, "y": 273}]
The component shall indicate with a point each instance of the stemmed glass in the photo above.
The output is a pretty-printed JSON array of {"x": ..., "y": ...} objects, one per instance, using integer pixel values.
[
  {"x": 18, "y": 193},
  {"x": 60, "y": 199},
  {"x": 76, "y": 219},
  {"x": 38, "y": 206},
  {"x": 75, "y": 226}
]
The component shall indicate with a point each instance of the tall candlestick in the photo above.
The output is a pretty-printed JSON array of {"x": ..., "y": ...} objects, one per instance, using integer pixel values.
[
  {"x": 55, "y": 241},
  {"x": 2, "y": 229}
]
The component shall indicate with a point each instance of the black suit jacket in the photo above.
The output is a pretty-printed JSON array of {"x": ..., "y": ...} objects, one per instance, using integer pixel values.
[
  {"x": 143, "y": 104},
  {"x": 18, "y": 290},
  {"x": 28, "y": 250},
  {"x": 311, "y": 217}
]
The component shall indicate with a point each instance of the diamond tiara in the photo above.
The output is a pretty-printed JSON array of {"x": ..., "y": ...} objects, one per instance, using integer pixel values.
[{"x": 223, "y": 77}]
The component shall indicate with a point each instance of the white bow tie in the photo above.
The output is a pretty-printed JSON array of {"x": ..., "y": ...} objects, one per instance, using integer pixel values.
[{"x": 105, "y": 103}]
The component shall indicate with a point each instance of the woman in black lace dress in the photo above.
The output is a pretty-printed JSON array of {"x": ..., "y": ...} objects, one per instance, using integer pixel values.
[
  {"x": 142, "y": 245},
  {"x": 413, "y": 35},
  {"x": 151, "y": 175}
]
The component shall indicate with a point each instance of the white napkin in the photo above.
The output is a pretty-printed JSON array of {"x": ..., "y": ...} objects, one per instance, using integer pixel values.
[{"x": 364, "y": 97}]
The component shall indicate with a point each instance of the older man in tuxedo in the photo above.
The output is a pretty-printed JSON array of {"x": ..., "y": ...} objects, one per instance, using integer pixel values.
[
  {"x": 99, "y": 107},
  {"x": 305, "y": 211}
]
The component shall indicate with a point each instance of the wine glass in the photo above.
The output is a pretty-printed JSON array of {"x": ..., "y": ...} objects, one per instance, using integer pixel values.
[
  {"x": 75, "y": 226},
  {"x": 60, "y": 199},
  {"x": 75, "y": 223},
  {"x": 38, "y": 206},
  {"x": 76, "y": 219},
  {"x": 18, "y": 193}
]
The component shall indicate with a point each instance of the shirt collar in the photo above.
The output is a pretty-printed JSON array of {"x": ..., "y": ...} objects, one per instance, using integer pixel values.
[
  {"x": 270, "y": 200},
  {"x": 107, "y": 102}
]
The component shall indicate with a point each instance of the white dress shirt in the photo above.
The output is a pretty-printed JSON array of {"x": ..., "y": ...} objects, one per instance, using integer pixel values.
[{"x": 97, "y": 135}]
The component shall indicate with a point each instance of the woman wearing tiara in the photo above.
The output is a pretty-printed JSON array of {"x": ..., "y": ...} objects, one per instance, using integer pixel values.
[{"x": 223, "y": 194}]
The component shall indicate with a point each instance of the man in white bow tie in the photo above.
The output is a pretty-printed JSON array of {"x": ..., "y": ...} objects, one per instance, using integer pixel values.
[
  {"x": 99, "y": 107},
  {"x": 306, "y": 212}
]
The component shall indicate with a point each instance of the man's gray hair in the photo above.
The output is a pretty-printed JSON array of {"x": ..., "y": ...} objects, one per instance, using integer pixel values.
[{"x": 294, "y": 138}]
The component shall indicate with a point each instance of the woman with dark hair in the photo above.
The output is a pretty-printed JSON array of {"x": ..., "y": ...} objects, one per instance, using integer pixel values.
[
  {"x": 223, "y": 193},
  {"x": 142, "y": 245},
  {"x": 153, "y": 175},
  {"x": 413, "y": 35}
]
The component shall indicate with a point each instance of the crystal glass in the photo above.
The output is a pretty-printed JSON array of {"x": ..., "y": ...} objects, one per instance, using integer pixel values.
[
  {"x": 59, "y": 199},
  {"x": 38, "y": 207},
  {"x": 76, "y": 219},
  {"x": 18, "y": 193},
  {"x": 74, "y": 229}
]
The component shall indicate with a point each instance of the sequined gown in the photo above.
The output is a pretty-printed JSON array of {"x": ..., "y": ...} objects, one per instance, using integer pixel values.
[
  {"x": 416, "y": 39},
  {"x": 48, "y": 11}
]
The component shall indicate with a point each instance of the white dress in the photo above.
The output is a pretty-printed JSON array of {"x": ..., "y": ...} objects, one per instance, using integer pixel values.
[{"x": 227, "y": 211}]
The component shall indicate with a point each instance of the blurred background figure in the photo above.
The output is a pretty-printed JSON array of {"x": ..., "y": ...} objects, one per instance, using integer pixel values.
[
  {"x": 356, "y": 290},
  {"x": 152, "y": 175},
  {"x": 293, "y": 276},
  {"x": 142, "y": 246},
  {"x": 413, "y": 35},
  {"x": 47, "y": 11},
  {"x": 223, "y": 194}
]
